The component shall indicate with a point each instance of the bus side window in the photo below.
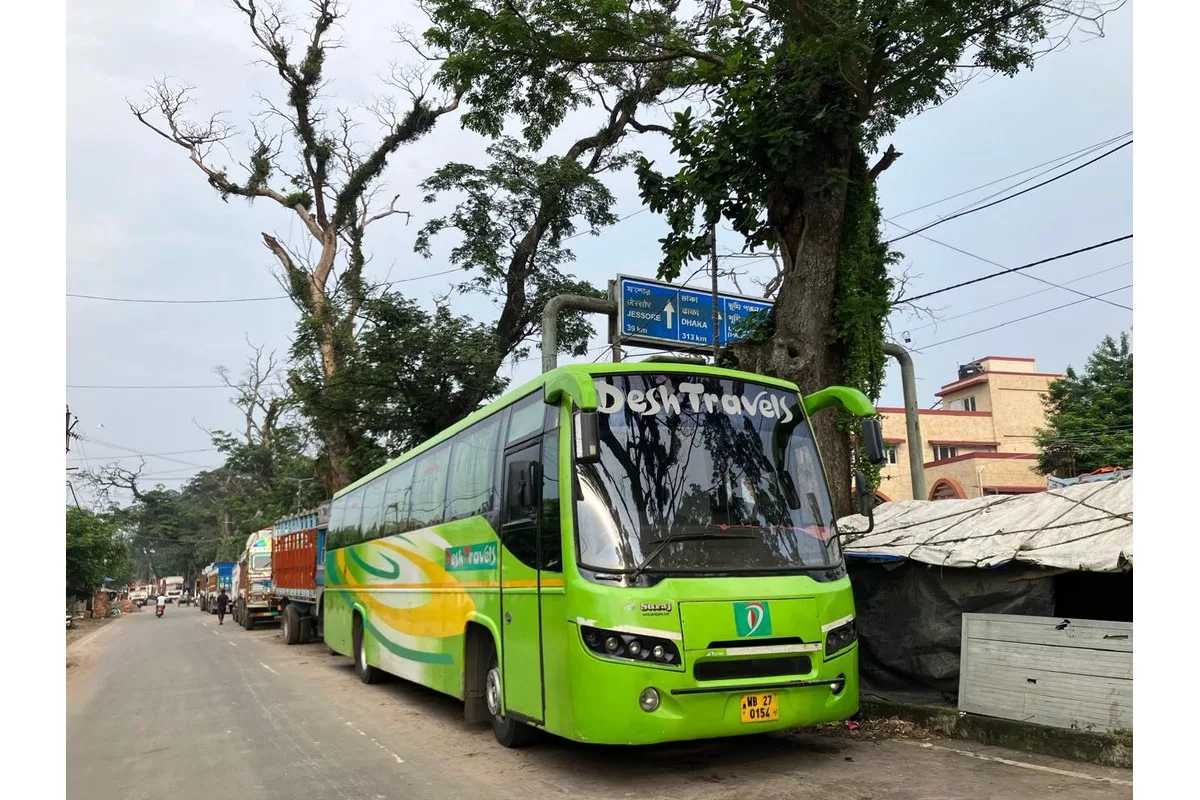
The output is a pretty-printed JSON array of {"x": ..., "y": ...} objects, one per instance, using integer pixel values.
[
  {"x": 472, "y": 460},
  {"x": 550, "y": 528},
  {"x": 526, "y": 418},
  {"x": 352, "y": 524},
  {"x": 337, "y": 513},
  {"x": 429, "y": 488},
  {"x": 396, "y": 499},
  {"x": 372, "y": 515}
]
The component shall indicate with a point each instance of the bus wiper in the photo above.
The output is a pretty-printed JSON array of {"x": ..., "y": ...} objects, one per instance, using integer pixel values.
[{"x": 682, "y": 537}]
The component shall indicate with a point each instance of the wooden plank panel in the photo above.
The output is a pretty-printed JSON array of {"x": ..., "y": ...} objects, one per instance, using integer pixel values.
[
  {"x": 1022, "y": 668},
  {"x": 1069, "y": 660},
  {"x": 1115, "y": 636}
]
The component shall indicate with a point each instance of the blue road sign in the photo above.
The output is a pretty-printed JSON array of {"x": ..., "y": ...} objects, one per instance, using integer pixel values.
[{"x": 663, "y": 314}]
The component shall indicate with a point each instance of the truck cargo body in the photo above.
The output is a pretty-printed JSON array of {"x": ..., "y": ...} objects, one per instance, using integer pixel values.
[
  {"x": 298, "y": 573},
  {"x": 216, "y": 576}
]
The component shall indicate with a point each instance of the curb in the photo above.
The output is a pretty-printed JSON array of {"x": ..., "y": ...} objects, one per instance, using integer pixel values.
[{"x": 1104, "y": 749}]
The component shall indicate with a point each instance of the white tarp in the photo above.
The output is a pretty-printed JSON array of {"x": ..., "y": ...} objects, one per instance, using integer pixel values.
[{"x": 1087, "y": 527}]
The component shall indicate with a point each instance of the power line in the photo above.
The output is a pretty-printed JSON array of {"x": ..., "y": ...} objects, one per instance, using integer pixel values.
[
  {"x": 935, "y": 323},
  {"x": 1023, "y": 267},
  {"x": 1006, "y": 198},
  {"x": 978, "y": 257},
  {"x": 152, "y": 455},
  {"x": 1055, "y": 161},
  {"x": 222, "y": 300},
  {"x": 1021, "y": 319},
  {"x": 243, "y": 299},
  {"x": 136, "y": 452}
]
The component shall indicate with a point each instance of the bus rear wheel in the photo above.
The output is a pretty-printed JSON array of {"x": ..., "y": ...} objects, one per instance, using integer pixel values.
[
  {"x": 366, "y": 673},
  {"x": 508, "y": 731}
]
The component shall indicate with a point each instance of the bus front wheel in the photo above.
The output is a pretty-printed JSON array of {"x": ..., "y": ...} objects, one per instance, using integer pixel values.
[{"x": 508, "y": 731}]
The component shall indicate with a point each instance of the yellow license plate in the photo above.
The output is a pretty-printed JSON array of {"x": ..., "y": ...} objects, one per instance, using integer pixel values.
[{"x": 759, "y": 707}]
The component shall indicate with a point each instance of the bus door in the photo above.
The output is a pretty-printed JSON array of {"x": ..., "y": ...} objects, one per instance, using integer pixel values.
[{"x": 520, "y": 607}]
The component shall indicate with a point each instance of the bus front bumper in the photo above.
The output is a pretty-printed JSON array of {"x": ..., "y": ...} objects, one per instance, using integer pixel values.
[{"x": 608, "y": 709}]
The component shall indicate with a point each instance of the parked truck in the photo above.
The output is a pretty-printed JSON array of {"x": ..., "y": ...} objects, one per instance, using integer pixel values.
[
  {"x": 215, "y": 577},
  {"x": 252, "y": 603},
  {"x": 298, "y": 574}
]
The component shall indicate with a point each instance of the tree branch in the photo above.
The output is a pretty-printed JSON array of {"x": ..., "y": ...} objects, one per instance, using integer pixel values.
[{"x": 886, "y": 160}]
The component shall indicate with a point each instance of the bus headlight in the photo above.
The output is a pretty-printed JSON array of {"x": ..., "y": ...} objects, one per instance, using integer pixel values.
[
  {"x": 840, "y": 638},
  {"x": 648, "y": 699},
  {"x": 628, "y": 647}
]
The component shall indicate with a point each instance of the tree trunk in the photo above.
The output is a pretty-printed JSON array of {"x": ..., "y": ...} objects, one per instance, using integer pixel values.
[{"x": 803, "y": 348}]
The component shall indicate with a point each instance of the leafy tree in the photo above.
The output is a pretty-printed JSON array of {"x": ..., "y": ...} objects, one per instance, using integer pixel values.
[
  {"x": 787, "y": 99},
  {"x": 305, "y": 157},
  {"x": 1090, "y": 416},
  {"x": 517, "y": 214},
  {"x": 95, "y": 551},
  {"x": 409, "y": 378}
]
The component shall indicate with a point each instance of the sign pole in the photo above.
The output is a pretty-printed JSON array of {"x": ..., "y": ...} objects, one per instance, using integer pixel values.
[
  {"x": 716, "y": 316},
  {"x": 614, "y": 329}
]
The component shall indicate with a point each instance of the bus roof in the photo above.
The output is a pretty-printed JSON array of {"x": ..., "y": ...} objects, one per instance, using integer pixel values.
[{"x": 573, "y": 380}]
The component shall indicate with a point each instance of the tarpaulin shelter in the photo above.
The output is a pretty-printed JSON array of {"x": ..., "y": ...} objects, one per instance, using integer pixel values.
[{"x": 1068, "y": 549}]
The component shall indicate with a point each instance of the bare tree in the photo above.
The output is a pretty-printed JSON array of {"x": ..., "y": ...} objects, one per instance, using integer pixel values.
[
  {"x": 262, "y": 395},
  {"x": 306, "y": 158}
]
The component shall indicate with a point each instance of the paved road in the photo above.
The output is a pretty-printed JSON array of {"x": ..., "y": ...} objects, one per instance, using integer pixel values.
[{"x": 178, "y": 706}]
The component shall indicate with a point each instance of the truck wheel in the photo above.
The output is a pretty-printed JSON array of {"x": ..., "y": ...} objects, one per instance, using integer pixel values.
[
  {"x": 249, "y": 623},
  {"x": 307, "y": 630},
  {"x": 366, "y": 673},
  {"x": 290, "y": 625},
  {"x": 508, "y": 731}
]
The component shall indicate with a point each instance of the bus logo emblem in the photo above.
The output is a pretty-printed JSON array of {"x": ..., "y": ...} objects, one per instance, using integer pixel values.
[{"x": 752, "y": 619}]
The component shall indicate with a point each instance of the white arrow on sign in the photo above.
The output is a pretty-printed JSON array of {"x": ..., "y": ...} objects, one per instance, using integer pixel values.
[{"x": 670, "y": 309}]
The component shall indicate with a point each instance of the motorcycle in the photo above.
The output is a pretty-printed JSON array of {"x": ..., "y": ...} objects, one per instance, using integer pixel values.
[{"x": 158, "y": 610}]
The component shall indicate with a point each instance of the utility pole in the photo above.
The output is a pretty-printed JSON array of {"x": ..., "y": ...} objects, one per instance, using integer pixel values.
[
  {"x": 71, "y": 423},
  {"x": 716, "y": 316}
]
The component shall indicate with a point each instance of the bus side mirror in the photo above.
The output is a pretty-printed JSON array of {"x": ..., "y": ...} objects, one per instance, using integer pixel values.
[
  {"x": 866, "y": 502},
  {"x": 587, "y": 437},
  {"x": 872, "y": 438}
]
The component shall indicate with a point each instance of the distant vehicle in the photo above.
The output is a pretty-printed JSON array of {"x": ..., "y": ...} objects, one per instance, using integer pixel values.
[
  {"x": 139, "y": 595},
  {"x": 214, "y": 578},
  {"x": 252, "y": 603},
  {"x": 173, "y": 588},
  {"x": 298, "y": 574}
]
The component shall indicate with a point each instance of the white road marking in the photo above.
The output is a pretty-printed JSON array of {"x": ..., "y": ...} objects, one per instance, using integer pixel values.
[
  {"x": 268, "y": 669},
  {"x": 1025, "y": 764},
  {"x": 231, "y": 644},
  {"x": 375, "y": 742}
]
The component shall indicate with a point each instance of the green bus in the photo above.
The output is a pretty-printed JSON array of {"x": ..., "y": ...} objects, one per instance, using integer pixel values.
[{"x": 614, "y": 553}]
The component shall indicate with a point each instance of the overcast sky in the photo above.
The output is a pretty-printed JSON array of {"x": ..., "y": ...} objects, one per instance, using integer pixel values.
[{"x": 143, "y": 224}]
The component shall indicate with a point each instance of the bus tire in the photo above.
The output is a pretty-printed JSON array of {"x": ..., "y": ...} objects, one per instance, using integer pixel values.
[
  {"x": 366, "y": 673},
  {"x": 508, "y": 731},
  {"x": 290, "y": 625}
]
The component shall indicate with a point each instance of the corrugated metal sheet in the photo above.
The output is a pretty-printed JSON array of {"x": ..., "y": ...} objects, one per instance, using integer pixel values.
[{"x": 1086, "y": 527}]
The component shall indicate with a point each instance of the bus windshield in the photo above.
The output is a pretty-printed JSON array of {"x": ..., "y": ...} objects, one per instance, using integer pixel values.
[{"x": 703, "y": 475}]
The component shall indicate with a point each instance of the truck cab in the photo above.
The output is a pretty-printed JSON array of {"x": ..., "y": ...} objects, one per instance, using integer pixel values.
[{"x": 254, "y": 589}]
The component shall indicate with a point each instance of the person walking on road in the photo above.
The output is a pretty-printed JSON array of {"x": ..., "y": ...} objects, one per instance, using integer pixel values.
[{"x": 222, "y": 606}]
